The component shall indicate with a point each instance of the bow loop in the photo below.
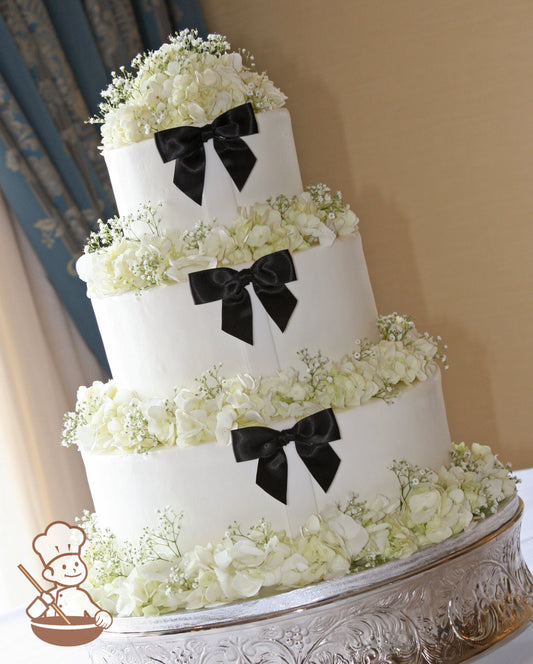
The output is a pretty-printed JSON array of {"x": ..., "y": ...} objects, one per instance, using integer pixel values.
[
  {"x": 311, "y": 435},
  {"x": 186, "y": 146},
  {"x": 267, "y": 275},
  {"x": 177, "y": 143}
]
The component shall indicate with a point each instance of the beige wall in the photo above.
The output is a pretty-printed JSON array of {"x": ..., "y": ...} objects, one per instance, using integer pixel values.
[{"x": 421, "y": 112}]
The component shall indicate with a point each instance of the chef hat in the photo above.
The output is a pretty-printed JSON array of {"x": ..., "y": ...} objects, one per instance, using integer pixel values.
[{"x": 58, "y": 539}]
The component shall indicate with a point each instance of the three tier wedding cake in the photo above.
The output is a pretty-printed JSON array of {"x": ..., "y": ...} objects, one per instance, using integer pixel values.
[{"x": 264, "y": 427}]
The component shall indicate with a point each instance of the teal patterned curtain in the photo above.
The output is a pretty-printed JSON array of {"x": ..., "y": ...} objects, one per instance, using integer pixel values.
[{"x": 55, "y": 58}]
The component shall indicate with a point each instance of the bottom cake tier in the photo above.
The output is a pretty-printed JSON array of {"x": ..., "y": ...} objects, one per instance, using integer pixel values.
[
  {"x": 212, "y": 491},
  {"x": 158, "y": 575}
]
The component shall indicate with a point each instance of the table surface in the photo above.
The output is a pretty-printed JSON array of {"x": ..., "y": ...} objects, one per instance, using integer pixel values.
[{"x": 18, "y": 644}]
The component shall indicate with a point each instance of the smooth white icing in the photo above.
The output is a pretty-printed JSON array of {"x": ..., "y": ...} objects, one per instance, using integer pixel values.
[
  {"x": 139, "y": 176},
  {"x": 213, "y": 490},
  {"x": 159, "y": 339}
]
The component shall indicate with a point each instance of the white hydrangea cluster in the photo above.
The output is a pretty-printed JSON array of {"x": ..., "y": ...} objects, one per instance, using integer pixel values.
[
  {"x": 148, "y": 579},
  {"x": 108, "y": 419},
  {"x": 115, "y": 264},
  {"x": 187, "y": 81}
]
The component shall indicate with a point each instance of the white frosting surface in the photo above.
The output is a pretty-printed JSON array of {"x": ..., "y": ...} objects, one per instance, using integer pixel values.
[
  {"x": 160, "y": 339},
  {"x": 139, "y": 176},
  {"x": 213, "y": 490}
]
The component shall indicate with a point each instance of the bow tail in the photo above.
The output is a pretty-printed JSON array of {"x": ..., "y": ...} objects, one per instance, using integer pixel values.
[
  {"x": 189, "y": 174},
  {"x": 279, "y": 304},
  {"x": 237, "y": 158},
  {"x": 237, "y": 317},
  {"x": 322, "y": 462},
  {"x": 271, "y": 476}
]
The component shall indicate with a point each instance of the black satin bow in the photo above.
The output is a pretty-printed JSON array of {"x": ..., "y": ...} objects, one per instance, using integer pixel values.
[
  {"x": 311, "y": 436},
  {"x": 268, "y": 276},
  {"x": 186, "y": 146}
]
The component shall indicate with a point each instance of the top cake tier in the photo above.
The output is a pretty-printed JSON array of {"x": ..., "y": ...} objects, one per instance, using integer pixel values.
[
  {"x": 139, "y": 177},
  {"x": 197, "y": 131}
]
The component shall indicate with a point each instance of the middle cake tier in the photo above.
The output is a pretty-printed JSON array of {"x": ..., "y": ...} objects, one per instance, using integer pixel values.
[{"x": 159, "y": 338}]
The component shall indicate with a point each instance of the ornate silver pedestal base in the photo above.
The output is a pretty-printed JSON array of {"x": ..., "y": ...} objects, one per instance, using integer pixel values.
[{"x": 445, "y": 604}]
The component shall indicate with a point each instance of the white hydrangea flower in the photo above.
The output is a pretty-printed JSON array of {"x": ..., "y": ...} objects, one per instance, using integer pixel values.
[
  {"x": 423, "y": 502},
  {"x": 184, "y": 82}
]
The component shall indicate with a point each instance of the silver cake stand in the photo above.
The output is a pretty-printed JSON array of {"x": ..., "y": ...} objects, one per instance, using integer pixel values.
[{"x": 444, "y": 604}]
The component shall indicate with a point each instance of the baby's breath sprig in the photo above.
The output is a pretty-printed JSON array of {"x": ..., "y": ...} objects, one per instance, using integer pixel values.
[
  {"x": 389, "y": 390},
  {"x": 410, "y": 475},
  {"x": 136, "y": 426},
  {"x": 462, "y": 457},
  {"x": 247, "y": 57},
  {"x": 105, "y": 557},
  {"x": 197, "y": 234},
  {"x": 260, "y": 533},
  {"x": 442, "y": 349},
  {"x": 211, "y": 383},
  {"x": 365, "y": 349},
  {"x": 161, "y": 541},
  {"x": 108, "y": 232},
  {"x": 179, "y": 581},
  {"x": 394, "y": 327},
  {"x": 281, "y": 203},
  {"x": 189, "y": 41},
  {"x": 234, "y": 531},
  {"x": 71, "y": 422},
  {"x": 329, "y": 205},
  {"x": 86, "y": 407},
  {"x": 112, "y": 230},
  {"x": 356, "y": 508},
  {"x": 149, "y": 216},
  {"x": 488, "y": 509},
  {"x": 148, "y": 268},
  {"x": 470, "y": 460},
  {"x": 120, "y": 90},
  {"x": 317, "y": 369}
]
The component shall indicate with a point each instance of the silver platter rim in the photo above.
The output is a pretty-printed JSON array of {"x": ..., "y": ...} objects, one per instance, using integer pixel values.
[{"x": 324, "y": 592}]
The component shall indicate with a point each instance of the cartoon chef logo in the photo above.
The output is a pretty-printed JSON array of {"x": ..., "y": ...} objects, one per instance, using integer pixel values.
[{"x": 65, "y": 614}]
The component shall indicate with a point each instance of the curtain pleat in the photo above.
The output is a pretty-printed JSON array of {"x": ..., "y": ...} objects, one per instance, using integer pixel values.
[
  {"x": 28, "y": 156},
  {"x": 55, "y": 58},
  {"x": 155, "y": 22},
  {"x": 42, "y": 361},
  {"x": 115, "y": 30}
]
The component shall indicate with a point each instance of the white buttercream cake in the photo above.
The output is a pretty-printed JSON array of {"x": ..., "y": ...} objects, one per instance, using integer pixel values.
[{"x": 157, "y": 439}]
